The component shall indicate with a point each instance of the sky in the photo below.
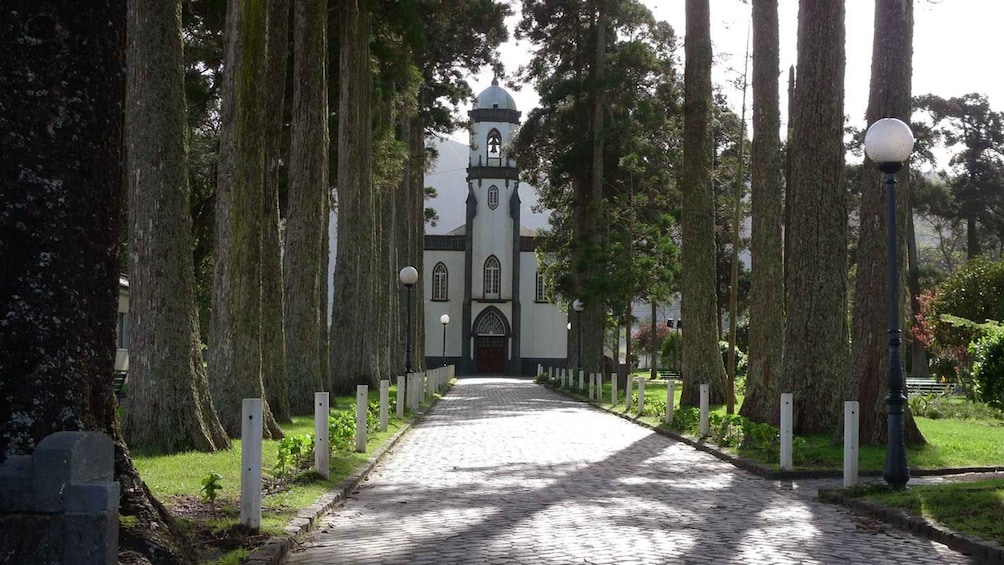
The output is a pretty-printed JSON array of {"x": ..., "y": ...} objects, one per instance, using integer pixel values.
[{"x": 957, "y": 45}]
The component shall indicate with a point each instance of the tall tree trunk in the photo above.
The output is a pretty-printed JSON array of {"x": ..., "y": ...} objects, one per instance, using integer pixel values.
[
  {"x": 353, "y": 350},
  {"x": 304, "y": 269},
  {"x": 411, "y": 217},
  {"x": 918, "y": 355},
  {"x": 169, "y": 407},
  {"x": 235, "y": 339},
  {"x": 763, "y": 371},
  {"x": 736, "y": 219},
  {"x": 653, "y": 346},
  {"x": 888, "y": 96},
  {"x": 273, "y": 350},
  {"x": 972, "y": 239},
  {"x": 815, "y": 332},
  {"x": 62, "y": 110},
  {"x": 702, "y": 360}
]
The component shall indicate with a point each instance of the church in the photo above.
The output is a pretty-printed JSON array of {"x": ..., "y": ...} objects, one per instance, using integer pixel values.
[{"x": 483, "y": 274}]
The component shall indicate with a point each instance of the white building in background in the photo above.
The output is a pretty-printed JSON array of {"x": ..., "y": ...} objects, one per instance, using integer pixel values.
[{"x": 483, "y": 274}]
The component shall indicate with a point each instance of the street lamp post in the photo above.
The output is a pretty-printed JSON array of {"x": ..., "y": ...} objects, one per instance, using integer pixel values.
[
  {"x": 578, "y": 306},
  {"x": 408, "y": 276},
  {"x": 444, "y": 319},
  {"x": 889, "y": 143}
]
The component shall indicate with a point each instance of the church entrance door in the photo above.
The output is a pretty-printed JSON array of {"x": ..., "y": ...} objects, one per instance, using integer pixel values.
[
  {"x": 491, "y": 342},
  {"x": 490, "y": 354}
]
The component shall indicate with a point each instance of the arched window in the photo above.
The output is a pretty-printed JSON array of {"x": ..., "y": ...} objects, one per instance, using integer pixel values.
[
  {"x": 440, "y": 278},
  {"x": 494, "y": 148},
  {"x": 490, "y": 324},
  {"x": 540, "y": 295},
  {"x": 493, "y": 277},
  {"x": 493, "y": 197}
]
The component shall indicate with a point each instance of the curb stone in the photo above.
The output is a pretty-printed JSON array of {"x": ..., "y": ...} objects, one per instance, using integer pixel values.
[
  {"x": 983, "y": 551},
  {"x": 277, "y": 548}
]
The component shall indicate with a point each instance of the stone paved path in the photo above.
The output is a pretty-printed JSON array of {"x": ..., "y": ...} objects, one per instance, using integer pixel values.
[{"x": 504, "y": 471}]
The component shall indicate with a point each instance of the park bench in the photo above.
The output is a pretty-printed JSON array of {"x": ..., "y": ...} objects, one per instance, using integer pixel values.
[
  {"x": 118, "y": 383},
  {"x": 667, "y": 374},
  {"x": 920, "y": 385}
]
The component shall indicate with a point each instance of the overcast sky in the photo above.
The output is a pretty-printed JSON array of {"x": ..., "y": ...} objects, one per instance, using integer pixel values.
[{"x": 957, "y": 49}]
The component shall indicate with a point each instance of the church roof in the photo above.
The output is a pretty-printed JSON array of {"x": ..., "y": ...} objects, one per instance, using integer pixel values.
[
  {"x": 495, "y": 97},
  {"x": 523, "y": 231}
]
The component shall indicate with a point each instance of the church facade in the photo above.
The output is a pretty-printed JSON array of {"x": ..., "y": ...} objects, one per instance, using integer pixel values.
[{"x": 483, "y": 274}]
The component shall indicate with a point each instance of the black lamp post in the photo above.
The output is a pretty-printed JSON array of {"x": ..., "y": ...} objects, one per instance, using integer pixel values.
[
  {"x": 578, "y": 306},
  {"x": 444, "y": 319},
  {"x": 408, "y": 276},
  {"x": 889, "y": 143}
]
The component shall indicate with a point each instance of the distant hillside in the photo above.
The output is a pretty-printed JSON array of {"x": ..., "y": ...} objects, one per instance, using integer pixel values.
[{"x": 448, "y": 175}]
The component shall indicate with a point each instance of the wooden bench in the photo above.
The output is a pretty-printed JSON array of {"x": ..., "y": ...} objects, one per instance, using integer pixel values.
[
  {"x": 667, "y": 374},
  {"x": 118, "y": 383},
  {"x": 926, "y": 386}
]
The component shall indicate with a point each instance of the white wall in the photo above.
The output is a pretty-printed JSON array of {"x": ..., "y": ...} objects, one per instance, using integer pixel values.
[
  {"x": 543, "y": 325},
  {"x": 492, "y": 236},
  {"x": 454, "y": 261}
]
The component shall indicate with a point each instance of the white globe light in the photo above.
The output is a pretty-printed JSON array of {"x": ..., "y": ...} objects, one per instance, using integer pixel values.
[
  {"x": 444, "y": 319},
  {"x": 409, "y": 275},
  {"x": 578, "y": 306},
  {"x": 568, "y": 325},
  {"x": 889, "y": 141}
]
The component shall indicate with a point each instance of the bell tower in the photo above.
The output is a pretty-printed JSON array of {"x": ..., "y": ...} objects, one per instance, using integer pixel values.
[{"x": 492, "y": 229}]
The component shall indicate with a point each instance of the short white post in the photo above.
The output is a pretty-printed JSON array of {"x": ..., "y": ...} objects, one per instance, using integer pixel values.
[
  {"x": 591, "y": 385},
  {"x": 850, "y": 443},
  {"x": 613, "y": 389},
  {"x": 384, "y": 402},
  {"x": 399, "y": 405},
  {"x": 627, "y": 394},
  {"x": 786, "y": 412},
  {"x": 416, "y": 386},
  {"x": 581, "y": 377},
  {"x": 641, "y": 396},
  {"x": 670, "y": 398},
  {"x": 251, "y": 430},
  {"x": 705, "y": 407},
  {"x": 564, "y": 378},
  {"x": 362, "y": 398},
  {"x": 322, "y": 452},
  {"x": 540, "y": 369},
  {"x": 426, "y": 385}
]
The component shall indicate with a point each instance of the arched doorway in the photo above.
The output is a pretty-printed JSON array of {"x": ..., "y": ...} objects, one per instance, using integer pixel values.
[{"x": 491, "y": 341}]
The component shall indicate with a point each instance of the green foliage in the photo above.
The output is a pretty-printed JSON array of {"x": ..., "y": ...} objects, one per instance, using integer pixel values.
[
  {"x": 741, "y": 359},
  {"x": 735, "y": 431},
  {"x": 974, "y": 292},
  {"x": 941, "y": 407},
  {"x": 292, "y": 454},
  {"x": 988, "y": 367},
  {"x": 671, "y": 350},
  {"x": 342, "y": 429},
  {"x": 212, "y": 484},
  {"x": 541, "y": 378}
]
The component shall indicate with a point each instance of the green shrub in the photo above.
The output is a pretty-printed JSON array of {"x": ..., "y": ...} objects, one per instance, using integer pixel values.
[
  {"x": 293, "y": 453},
  {"x": 974, "y": 292},
  {"x": 671, "y": 350},
  {"x": 342, "y": 429},
  {"x": 941, "y": 407},
  {"x": 212, "y": 484},
  {"x": 988, "y": 368},
  {"x": 741, "y": 360}
]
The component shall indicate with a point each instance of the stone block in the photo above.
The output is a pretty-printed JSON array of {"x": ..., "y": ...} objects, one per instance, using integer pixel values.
[{"x": 69, "y": 457}]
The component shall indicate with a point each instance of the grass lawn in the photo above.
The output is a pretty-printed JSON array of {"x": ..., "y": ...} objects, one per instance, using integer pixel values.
[
  {"x": 176, "y": 480},
  {"x": 974, "y": 508}
]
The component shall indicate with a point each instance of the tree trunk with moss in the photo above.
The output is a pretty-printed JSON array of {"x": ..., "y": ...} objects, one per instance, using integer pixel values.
[
  {"x": 62, "y": 111},
  {"x": 273, "y": 349},
  {"x": 888, "y": 96},
  {"x": 816, "y": 353},
  {"x": 169, "y": 407},
  {"x": 235, "y": 338},
  {"x": 306, "y": 219},
  {"x": 763, "y": 373},
  {"x": 702, "y": 360},
  {"x": 353, "y": 346}
]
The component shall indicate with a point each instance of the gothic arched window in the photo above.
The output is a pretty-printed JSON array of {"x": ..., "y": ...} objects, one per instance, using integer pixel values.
[
  {"x": 493, "y": 277},
  {"x": 440, "y": 278},
  {"x": 494, "y": 148},
  {"x": 493, "y": 197},
  {"x": 490, "y": 324}
]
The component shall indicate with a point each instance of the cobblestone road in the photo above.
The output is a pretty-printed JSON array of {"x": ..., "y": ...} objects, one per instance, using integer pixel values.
[{"x": 504, "y": 471}]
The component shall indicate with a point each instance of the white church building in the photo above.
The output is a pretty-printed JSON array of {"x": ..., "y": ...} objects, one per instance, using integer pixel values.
[{"x": 483, "y": 274}]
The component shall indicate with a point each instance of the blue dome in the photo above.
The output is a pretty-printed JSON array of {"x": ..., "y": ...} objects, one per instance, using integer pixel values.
[{"x": 495, "y": 97}]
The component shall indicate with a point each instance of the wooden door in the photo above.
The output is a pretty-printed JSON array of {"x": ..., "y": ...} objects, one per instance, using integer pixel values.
[{"x": 490, "y": 354}]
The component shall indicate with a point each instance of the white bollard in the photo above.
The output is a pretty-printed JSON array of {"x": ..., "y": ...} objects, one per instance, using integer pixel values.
[
  {"x": 591, "y": 385},
  {"x": 322, "y": 451},
  {"x": 384, "y": 402},
  {"x": 399, "y": 405},
  {"x": 627, "y": 394},
  {"x": 540, "y": 369},
  {"x": 251, "y": 430},
  {"x": 417, "y": 387},
  {"x": 670, "y": 398},
  {"x": 581, "y": 383},
  {"x": 850, "y": 443},
  {"x": 362, "y": 399},
  {"x": 613, "y": 389},
  {"x": 550, "y": 374},
  {"x": 705, "y": 407},
  {"x": 641, "y": 396},
  {"x": 426, "y": 385},
  {"x": 786, "y": 413}
]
